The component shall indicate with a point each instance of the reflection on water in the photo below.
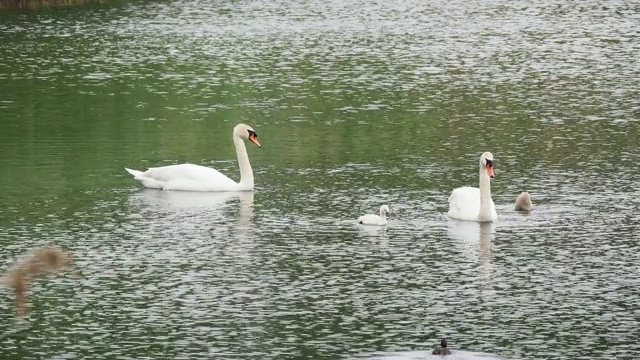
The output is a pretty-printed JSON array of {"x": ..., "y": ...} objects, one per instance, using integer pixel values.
[
  {"x": 475, "y": 241},
  {"x": 177, "y": 201},
  {"x": 374, "y": 231},
  {"x": 185, "y": 205},
  {"x": 217, "y": 211},
  {"x": 473, "y": 237}
]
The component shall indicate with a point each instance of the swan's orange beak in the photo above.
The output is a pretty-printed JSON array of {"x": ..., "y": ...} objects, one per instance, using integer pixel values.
[
  {"x": 254, "y": 139},
  {"x": 490, "y": 171}
]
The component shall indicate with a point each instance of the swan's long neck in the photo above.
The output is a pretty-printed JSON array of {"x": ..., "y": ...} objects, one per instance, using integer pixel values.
[
  {"x": 246, "y": 174},
  {"x": 485, "y": 194},
  {"x": 383, "y": 215}
]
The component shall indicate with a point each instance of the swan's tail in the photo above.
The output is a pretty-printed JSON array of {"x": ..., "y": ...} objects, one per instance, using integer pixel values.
[
  {"x": 136, "y": 174},
  {"x": 147, "y": 181}
]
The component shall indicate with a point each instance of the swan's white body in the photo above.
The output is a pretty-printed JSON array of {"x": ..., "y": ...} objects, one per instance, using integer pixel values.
[
  {"x": 377, "y": 220},
  {"x": 523, "y": 202},
  {"x": 475, "y": 204},
  {"x": 190, "y": 177}
]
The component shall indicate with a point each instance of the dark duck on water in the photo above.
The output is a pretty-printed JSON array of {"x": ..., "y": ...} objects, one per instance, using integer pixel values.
[{"x": 442, "y": 349}]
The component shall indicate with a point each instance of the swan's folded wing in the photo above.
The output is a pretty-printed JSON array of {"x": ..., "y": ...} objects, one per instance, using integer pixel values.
[
  {"x": 464, "y": 203},
  {"x": 459, "y": 197},
  {"x": 370, "y": 219},
  {"x": 187, "y": 177},
  {"x": 183, "y": 171}
]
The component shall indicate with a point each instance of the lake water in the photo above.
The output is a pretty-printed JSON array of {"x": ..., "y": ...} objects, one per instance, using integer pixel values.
[{"x": 357, "y": 104}]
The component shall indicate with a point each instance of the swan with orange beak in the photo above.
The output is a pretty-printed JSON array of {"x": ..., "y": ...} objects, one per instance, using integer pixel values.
[
  {"x": 191, "y": 177},
  {"x": 475, "y": 204}
]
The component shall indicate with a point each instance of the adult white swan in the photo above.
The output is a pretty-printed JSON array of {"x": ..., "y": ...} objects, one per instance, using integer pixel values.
[
  {"x": 190, "y": 177},
  {"x": 377, "y": 220},
  {"x": 473, "y": 204}
]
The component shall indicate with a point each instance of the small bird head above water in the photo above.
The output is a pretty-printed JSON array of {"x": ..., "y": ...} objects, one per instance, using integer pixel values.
[{"x": 443, "y": 343}]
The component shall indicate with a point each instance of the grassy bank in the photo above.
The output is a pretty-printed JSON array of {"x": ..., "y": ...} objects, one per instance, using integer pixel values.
[{"x": 35, "y": 4}]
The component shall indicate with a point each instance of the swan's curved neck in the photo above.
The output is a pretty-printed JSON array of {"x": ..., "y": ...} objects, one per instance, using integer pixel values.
[
  {"x": 383, "y": 215},
  {"x": 246, "y": 174},
  {"x": 485, "y": 193}
]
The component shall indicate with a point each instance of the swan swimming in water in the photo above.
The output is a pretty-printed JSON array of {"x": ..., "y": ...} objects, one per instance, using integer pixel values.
[
  {"x": 523, "y": 202},
  {"x": 190, "y": 177},
  {"x": 475, "y": 204},
  {"x": 372, "y": 219}
]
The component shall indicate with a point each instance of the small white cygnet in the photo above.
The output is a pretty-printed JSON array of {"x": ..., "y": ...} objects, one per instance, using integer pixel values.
[{"x": 377, "y": 220}]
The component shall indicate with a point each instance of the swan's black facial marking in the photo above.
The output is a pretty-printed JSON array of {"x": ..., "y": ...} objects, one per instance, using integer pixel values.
[
  {"x": 253, "y": 137},
  {"x": 489, "y": 167}
]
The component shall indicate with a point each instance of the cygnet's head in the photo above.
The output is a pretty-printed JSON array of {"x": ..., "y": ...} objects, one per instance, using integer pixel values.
[
  {"x": 486, "y": 162},
  {"x": 523, "y": 202},
  {"x": 246, "y": 132},
  {"x": 384, "y": 209},
  {"x": 443, "y": 343}
]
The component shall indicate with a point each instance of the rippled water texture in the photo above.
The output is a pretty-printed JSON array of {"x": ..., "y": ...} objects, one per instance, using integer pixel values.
[{"x": 357, "y": 104}]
